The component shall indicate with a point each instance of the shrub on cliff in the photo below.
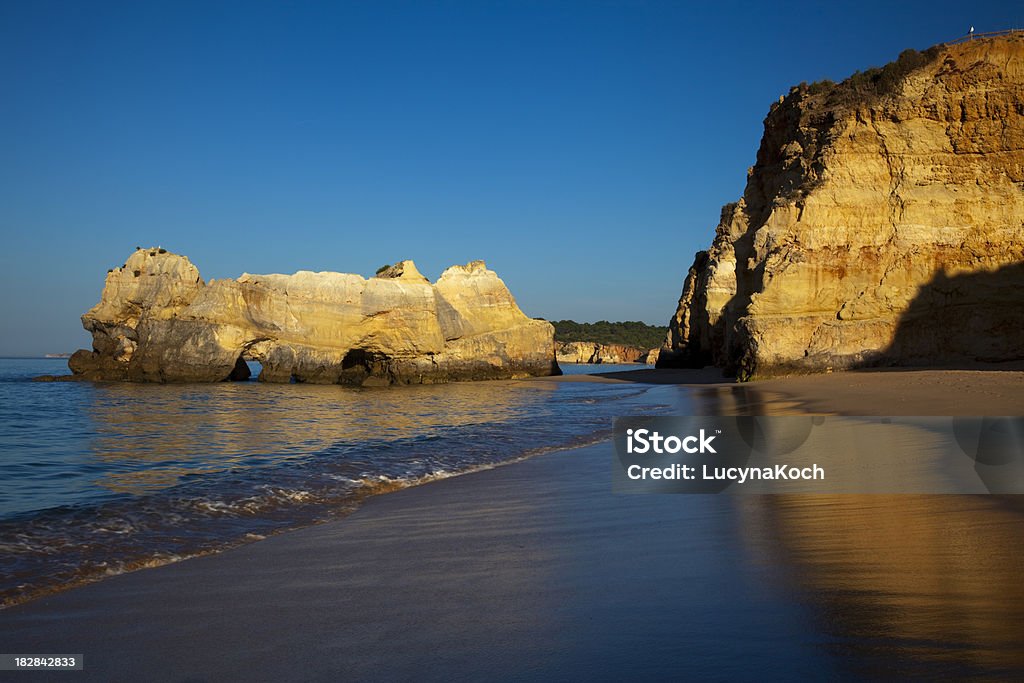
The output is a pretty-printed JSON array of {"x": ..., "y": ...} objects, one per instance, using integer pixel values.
[{"x": 869, "y": 85}]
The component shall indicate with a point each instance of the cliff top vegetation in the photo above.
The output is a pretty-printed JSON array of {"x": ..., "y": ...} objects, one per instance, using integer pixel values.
[{"x": 629, "y": 333}]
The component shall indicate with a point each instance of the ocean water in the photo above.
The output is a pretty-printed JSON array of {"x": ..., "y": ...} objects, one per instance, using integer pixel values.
[
  {"x": 101, "y": 478},
  {"x": 98, "y": 479}
]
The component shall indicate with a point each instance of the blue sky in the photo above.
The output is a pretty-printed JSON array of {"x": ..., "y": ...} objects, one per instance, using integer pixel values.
[{"x": 583, "y": 150}]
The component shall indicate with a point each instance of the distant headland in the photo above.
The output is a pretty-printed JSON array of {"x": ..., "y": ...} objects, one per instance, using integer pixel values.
[{"x": 607, "y": 342}]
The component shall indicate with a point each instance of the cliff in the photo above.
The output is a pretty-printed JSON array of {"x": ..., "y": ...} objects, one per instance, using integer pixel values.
[
  {"x": 158, "y": 321},
  {"x": 883, "y": 223},
  {"x": 593, "y": 352}
]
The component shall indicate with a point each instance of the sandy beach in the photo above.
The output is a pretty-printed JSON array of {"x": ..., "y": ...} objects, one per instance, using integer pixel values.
[
  {"x": 984, "y": 391},
  {"x": 536, "y": 570}
]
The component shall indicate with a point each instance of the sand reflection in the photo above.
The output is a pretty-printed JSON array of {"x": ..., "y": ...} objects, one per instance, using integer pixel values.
[
  {"x": 904, "y": 583},
  {"x": 900, "y": 585}
]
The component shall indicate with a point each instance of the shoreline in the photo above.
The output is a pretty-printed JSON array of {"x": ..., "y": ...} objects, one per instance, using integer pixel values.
[
  {"x": 512, "y": 570},
  {"x": 980, "y": 389},
  {"x": 984, "y": 390},
  {"x": 476, "y": 573}
]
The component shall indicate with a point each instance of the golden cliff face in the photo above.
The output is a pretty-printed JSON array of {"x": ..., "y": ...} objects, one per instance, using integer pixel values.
[
  {"x": 882, "y": 224},
  {"x": 158, "y": 321},
  {"x": 593, "y": 352}
]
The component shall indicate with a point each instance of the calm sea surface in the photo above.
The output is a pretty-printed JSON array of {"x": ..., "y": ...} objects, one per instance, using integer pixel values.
[{"x": 96, "y": 479}]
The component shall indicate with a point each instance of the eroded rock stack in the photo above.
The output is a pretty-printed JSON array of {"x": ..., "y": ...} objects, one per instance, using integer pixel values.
[
  {"x": 883, "y": 223},
  {"x": 158, "y": 321}
]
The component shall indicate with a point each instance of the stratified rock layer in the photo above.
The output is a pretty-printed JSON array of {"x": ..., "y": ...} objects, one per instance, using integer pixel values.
[
  {"x": 593, "y": 352},
  {"x": 882, "y": 224},
  {"x": 158, "y": 321}
]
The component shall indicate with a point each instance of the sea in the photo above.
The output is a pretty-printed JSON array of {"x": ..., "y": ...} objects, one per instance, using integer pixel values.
[{"x": 97, "y": 479}]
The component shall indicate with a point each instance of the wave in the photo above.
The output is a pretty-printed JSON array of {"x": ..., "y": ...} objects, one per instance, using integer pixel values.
[{"x": 263, "y": 494}]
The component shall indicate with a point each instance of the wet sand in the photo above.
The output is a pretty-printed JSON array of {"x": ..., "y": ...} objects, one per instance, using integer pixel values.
[
  {"x": 536, "y": 570},
  {"x": 906, "y": 392},
  {"x": 530, "y": 570},
  {"x": 864, "y": 392}
]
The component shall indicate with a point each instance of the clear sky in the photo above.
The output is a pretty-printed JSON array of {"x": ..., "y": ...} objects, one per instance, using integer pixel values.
[{"x": 582, "y": 149}]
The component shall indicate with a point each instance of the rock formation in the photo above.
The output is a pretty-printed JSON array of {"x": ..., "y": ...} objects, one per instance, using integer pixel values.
[
  {"x": 883, "y": 223},
  {"x": 592, "y": 352},
  {"x": 158, "y": 321}
]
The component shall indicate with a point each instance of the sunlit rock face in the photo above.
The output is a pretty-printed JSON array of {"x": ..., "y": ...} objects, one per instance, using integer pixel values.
[
  {"x": 158, "y": 321},
  {"x": 883, "y": 223},
  {"x": 592, "y": 352}
]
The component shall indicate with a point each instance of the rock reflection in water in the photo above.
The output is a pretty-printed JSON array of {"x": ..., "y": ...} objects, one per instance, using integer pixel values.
[
  {"x": 899, "y": 585},
  {"x": 177, "y": 430},
  {"x": 903, "y": 585}
]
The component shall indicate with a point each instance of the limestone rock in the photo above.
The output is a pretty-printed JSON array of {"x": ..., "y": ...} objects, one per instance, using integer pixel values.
[
  {"x": 882, "y": 224},
  {"x": 592, "y": 352},
  {"x": 158, "y": 321},
  {"x": 403, "y": 270}
]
